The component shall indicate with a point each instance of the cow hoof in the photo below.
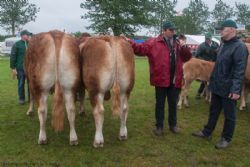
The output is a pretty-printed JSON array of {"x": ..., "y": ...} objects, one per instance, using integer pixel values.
[
  {"x": 42, "y": 142},
  {"x": 187, "y": 106},
  {"x": 97, "y": 144},
  {"x": 122, "y": 138},
  {"x": 73, "y": 143},
  {"x": 243, "y": 108},
  {"x": 30, "y": 113},
  {"x": 179, "y": 107},
  {"x": 82, "y": 114}
]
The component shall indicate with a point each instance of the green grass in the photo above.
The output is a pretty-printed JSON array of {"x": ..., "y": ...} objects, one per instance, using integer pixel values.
[{"x": 19, "y": 133}]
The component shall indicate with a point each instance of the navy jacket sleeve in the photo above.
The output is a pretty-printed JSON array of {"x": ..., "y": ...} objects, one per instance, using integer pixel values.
[{"x": 239, "y": 66}]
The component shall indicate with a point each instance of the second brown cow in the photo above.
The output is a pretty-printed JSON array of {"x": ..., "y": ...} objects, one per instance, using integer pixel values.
[{"x": 108, "y": 64}]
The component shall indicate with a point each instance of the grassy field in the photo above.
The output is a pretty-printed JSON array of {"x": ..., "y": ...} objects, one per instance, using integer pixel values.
[{"x": 19, "y": 134}]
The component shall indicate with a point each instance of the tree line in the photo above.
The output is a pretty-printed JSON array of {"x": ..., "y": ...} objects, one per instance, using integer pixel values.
[{"x": 129, "y": 16}]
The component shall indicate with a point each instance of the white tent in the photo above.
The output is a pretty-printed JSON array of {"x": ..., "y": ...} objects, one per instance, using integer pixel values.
[
  {"x": 198, "y": 39},
  {"x": 8, "y": 43}
]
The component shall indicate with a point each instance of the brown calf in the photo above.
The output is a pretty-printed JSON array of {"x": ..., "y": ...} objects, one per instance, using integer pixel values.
[
  {"x": 52, "y": 62},
  {"x": 246, "y": 83},
  {"x": 108, "y": 64},
  {"x": 192, "y": 70}
]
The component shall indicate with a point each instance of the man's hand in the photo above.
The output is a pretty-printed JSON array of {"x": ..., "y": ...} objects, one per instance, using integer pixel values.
[
  {"x": 234, "y": 96},
  {"x": 182, "y": 42},
  {"x": 126, "y": 38},
  {"x": 14, "y": 73}
]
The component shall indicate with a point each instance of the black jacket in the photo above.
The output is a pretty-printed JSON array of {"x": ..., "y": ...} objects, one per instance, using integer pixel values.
[
  {"x": 207, "y": 52},
  {"x": 229, "y": 68}
]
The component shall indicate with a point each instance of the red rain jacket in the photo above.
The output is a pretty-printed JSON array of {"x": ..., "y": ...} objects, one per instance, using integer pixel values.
[{"x": 158, "y": 55}]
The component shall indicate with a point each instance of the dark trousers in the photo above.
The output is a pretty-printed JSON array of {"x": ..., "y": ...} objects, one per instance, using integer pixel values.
[
  {"x": 202, "y": 86},
  {"x": 172, "y": 95},
  {"x": 229, "y": 107},
  {"x": 21, "y": 84}
]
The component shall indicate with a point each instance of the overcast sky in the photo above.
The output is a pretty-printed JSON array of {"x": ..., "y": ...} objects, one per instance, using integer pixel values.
[{"x": 66, "y": 14}]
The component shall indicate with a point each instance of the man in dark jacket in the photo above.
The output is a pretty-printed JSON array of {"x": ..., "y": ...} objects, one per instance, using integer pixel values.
[
  {"x": 166, "y": 56},
  {"x": 206, "y": 51},
  {"x": 225, "y": 83},
  {"x": 16, "y": 63}
]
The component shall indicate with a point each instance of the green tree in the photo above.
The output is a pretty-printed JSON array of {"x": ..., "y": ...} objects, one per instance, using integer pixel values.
[
  {"x": 118, "y": 15},
  {"x": 248, "y": 27},
  {"x": 221, "y": 12},
  {"x": 15, "y": 13},
  {"x": 162, "y": 10},
  {"x": 77, "y": 34},
  {"x": 3, "y": 37},
  {"x": 242, "y": 13},
  {"x": 197, "y": 13},
  {"x": 184, "y": 24}
]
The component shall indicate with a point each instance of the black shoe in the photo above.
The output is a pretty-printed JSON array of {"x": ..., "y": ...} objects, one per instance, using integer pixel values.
[
  {"x": 158, "y": 131},
  {"x": 200, "y": 134},
  {"x": 198, "y": 96},
  {"x": 174, "y": 130},
  {"x": 21, "y": 102},
  {"x": 223, "y": 143}
]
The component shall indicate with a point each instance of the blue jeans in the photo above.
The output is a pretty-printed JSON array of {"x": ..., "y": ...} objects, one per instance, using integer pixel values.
[
  {"x": 217, "y": 104},
  {"x": 21, "y": 84}
]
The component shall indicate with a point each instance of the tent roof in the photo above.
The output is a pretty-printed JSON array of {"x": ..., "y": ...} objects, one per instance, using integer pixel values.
[{"x": 198, "y": 39}]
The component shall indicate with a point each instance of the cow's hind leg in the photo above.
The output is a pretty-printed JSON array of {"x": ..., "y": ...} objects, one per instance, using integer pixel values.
[
  {"x": 70, "y": 107},
  {"x": 181, "y": 98},
  {"x": 42, "y": 115},
  {"x": 98, "y": 111},
  {"x": 31, "y": 106},
  {"x": 81, "y": 99},
  {"x": 185, "y": 92},
  {"x": 123, "y": 116},
  {"x": 243, "y": 98}
]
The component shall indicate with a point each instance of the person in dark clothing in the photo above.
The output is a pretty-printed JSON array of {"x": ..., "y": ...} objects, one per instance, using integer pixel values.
[
  {"x": 166, "y": 55},
  {"x": 16, "y": 63},
  {"x": 225, "y": 84},
  {"x": 206, "y": 51}
]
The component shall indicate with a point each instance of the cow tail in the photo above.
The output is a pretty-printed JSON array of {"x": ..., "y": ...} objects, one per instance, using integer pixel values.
[
  {"x": 57, "y": 121},
  {"x": 116, "y": 105},
  {"x": 116, "y": 99}
]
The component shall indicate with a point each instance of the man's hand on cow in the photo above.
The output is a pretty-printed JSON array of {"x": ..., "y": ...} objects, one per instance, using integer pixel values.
[
  {"x": 124, "y": 37},
  {"x": 182, "y": 42},
  {"x": 234, "y": 96},
  {"x": 14, "y": 73}
]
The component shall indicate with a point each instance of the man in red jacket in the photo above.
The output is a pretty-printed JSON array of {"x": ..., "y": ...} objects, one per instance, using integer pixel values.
[{"x": 166, "y": 56}]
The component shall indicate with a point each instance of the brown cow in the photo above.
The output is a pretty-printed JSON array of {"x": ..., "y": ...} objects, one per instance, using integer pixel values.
[
  {"x": 108, "y": 64},
  {"x": 246, "y": 40},
  {"x": 192, "y": 70},
  {"x": 246, "y": 83},
  {"x": 52, "y": 62}
]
